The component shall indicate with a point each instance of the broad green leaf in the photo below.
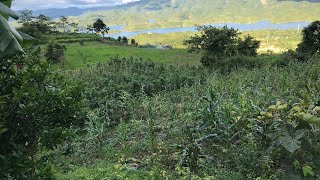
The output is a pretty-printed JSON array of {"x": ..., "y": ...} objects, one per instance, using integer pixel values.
[
  {"x": 5, "y": 26},
  {"x": 26, "y": 36},
  {"x": 311, "y": 119},
  {"x": 307, "y": 170},
  {"x": 6, "y": 10},
  {"x": 296, "y": 165},
  {"x": 27, "y": 39},
  {"x": 290, "y": 143},
  {"x": 8, "y": 4},
  {"x": 9, "y": 40},
  {"x": 300, "y": 133}
]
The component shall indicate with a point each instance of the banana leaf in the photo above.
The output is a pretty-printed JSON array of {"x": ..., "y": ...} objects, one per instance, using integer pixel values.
[
  {"x": 7, "y": 11},
  {"x": 8, "y": 4},
  {"x": 10, "y": 40}
]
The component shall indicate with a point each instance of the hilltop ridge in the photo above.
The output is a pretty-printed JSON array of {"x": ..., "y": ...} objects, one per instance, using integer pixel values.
[{"x": 147, "y": 14}]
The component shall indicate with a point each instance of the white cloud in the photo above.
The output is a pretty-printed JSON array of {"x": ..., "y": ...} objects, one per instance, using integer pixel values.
[{"x": 39, "y": 4}]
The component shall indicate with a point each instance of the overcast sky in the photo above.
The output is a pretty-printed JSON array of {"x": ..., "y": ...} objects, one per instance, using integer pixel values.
[{"x": 39, "y": 4}]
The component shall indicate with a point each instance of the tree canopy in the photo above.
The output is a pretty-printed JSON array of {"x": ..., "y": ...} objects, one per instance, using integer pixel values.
[
  {"x": 100, "y": 27},
  {"x": 310, "y": 44},
  {"x": 220, "y": 43}
]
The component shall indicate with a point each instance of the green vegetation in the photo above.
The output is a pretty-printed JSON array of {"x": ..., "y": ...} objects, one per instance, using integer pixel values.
[
  {"x": 35, "y": 26},
  {"x": 100, "y": 27},
  {"x": 37, "y": 108},
  {"x": 276, "y": 41},
  {"x": 78, "y": 56},
  {"x": 311, "y": 40},
  {"x": 55, "y": 53},
  {"x": 150, "y": 14},
  {"x": 220, "y": 44},
  {"x": 213, "y": 126},
  {"x": 116, "y": 111}
]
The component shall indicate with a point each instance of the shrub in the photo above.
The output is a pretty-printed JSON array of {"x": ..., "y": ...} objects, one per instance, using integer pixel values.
[
  {"x": 242, "y": 61},
  {"x": 36, "y": 110},
  {"x": 221, "y": 43},
  {"x": 55, "y": 52}
]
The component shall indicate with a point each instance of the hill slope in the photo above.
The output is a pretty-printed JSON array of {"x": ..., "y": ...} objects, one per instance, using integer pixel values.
[{"x": 173, "y": 13}]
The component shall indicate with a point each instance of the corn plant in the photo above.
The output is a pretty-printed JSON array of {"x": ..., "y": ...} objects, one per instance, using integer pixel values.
[{"x": 11, "y": 41}]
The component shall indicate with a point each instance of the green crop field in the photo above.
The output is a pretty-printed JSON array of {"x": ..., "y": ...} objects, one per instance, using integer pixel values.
[
  {"x": 78, "y": 56},
  {"x": 276, "y": 41},
  {"x": 80, "y": 106}
]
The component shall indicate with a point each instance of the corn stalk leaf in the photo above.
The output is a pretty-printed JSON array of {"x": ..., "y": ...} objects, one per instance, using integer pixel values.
[{"x": 7, "y": 11}]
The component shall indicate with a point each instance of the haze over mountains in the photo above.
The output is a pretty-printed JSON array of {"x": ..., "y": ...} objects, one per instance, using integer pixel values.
[
  {"x": 81, "y": 8},
  {"x": 146, "y": 14}
]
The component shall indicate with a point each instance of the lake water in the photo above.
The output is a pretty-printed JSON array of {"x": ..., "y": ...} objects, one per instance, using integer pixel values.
[{"x": 264, "y": 24}]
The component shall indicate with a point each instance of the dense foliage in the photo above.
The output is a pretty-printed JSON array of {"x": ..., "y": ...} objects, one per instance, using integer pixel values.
[
  {"x": 55, "y": 52},
  {"x": 36, "y": 109},
  {"x": 128, "y": 118},
  {"x": 219, "y": 44},
  {"x": 36, "y": 26},
  {"x": 100, "y": 27},
  {"x": 109, "y": 85},
  {"x": 310, "y": 44},
  {"x": 249, "y": 124}
]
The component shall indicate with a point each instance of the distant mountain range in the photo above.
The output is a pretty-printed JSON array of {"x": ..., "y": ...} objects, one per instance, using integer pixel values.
[
  {"x": 146, "y": 14},
  {"x": 76, "y": 11}
]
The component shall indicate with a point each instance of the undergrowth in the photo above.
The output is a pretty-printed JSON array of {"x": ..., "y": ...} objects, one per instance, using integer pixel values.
[{"x": 152, "y": 121}]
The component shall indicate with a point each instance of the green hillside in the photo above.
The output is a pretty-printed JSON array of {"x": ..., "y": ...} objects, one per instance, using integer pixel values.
[
  {"x": 276, "y": 41},
  {"x": 173, "y": 13}
]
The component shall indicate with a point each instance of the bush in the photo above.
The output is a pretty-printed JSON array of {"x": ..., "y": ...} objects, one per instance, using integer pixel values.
[
  {"x": 36, "y": 110},
  {"x": 55, "y": 52},
  {"x": 242, "y": 61},
  {"x": 220, "y": 44}
]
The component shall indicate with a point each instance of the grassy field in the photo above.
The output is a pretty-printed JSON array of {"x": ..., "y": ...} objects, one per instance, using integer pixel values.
[
  {"x": 276, "y": 41},
  {"x": 78, "y": 56},
  {"x": 93, "y": 52}
]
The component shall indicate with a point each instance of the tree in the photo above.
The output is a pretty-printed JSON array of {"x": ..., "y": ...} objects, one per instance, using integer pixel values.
[
  {"x": 25, "y": 16},
  {"x": 37, "y": 26},
  {"x": 125, "y": 40},
  {"x": 90, "y": 29},
  {"x": 100, "y": 27},
  {"x": 119, "y": 39},
  {"x": 220, "y": 43},
  {"x": 133, "y": 42},
  {"x": 310, "y": 44},
  {"x": 248, "y": 46},
  {"x": 63, "y": 23}
]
